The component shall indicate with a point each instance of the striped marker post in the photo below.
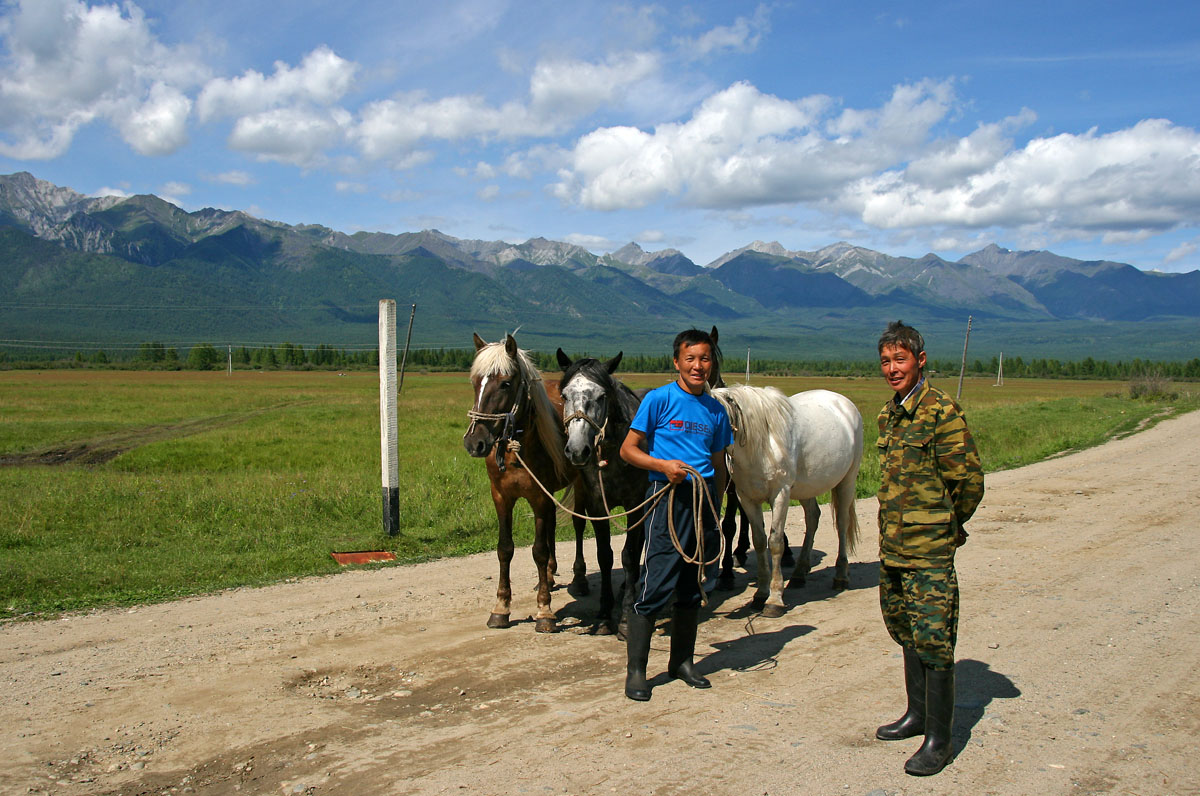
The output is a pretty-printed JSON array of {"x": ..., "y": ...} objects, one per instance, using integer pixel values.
[{"x": 388, "y": 434}]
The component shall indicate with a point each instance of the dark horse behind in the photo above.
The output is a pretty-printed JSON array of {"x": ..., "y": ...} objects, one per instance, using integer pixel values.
[{"x": 597, "y": 412}]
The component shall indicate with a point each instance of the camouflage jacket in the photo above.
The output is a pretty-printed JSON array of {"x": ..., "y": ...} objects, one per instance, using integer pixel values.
[{"x": 931, "y": 479}]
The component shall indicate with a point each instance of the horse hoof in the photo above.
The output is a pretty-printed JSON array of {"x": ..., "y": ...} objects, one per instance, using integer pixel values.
[
  {"x": 773, "y": 611},
  {"x": 546, "y": 624},
  {"x": 605, "y": 627},
  {"x": 498, "y": 621},
  {"x": 740, "y": 559},
  {"x": 757, "y": 602},
  {"x": 796, "y": 583},
  {"x": 725, "y": 582},
  {"x": 579, "y": 588},
  {"x": 841, "y": 583}
]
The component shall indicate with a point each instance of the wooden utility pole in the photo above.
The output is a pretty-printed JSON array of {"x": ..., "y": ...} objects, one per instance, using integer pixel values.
[
  {"x": 963, "y": 368},
  {"x": 388, "y": 434},
  {"x": 747, "y": 365}
]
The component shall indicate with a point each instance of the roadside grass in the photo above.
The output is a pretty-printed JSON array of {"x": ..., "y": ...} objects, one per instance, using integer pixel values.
[{"x": 254, "y": 478}]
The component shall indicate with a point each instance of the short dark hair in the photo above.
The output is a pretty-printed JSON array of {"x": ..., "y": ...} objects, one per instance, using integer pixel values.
[
  {"x": 898, "y": 334},
  {"x": 692, "y": 337}
]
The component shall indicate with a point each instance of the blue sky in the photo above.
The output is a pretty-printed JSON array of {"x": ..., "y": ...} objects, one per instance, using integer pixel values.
[{"x": 904, "y": 127}]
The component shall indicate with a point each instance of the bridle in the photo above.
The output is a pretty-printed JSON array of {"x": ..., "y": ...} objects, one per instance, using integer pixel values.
[{"x": 511, "y": 432}]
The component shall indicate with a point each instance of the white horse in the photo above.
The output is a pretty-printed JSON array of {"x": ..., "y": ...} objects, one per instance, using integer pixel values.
[{"x": 787, "y": 449}]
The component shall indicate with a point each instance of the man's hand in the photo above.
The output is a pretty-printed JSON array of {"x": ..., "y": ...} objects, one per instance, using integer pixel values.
[{"x": 674, "y": 470}]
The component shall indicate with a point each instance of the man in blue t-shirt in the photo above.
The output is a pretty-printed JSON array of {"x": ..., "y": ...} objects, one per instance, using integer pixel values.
[{"x": 677, "y": 426}]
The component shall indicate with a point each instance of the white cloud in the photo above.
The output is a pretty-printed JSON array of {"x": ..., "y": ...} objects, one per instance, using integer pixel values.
[
  {"x": 1126, "y": 184},
  {"x": 590, "y": 242},
  {"x": 652, "y": 236},
  {"x": 70, "y": 64},
  {"x": 176, "y": 189},
  {"x": 742, "y": 36},
  {"x": 322, "y": 79},
  {"x": 1181, "y": 252},
  {"x": 488, "y": 192},
  {"x": 346, "y": 186},
  {"x": 234, "y": 177},
  {"x": 289, "y": 135},
  {"x": 567, "y": 89},
  {"x": 560, "y": 92},
  {"x": 106, "y": 191},
  {"x": 159, "y": 126}
]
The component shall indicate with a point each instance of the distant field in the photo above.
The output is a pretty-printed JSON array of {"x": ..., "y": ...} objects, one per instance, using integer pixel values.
[{"x": 123, "y": 487}]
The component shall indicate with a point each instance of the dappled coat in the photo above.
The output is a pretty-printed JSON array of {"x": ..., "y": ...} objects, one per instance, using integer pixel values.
[{"x": 931, "y": 479}]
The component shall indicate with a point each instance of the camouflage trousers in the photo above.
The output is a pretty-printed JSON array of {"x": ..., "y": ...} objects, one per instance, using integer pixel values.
[{"x": 920, "y": 610}]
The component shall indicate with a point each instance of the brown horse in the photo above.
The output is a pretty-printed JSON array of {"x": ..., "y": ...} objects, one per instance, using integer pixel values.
[{"x": 515, "y": 410}]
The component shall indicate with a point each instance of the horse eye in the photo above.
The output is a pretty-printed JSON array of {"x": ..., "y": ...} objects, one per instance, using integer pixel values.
[{"x": 506, "y": 384}]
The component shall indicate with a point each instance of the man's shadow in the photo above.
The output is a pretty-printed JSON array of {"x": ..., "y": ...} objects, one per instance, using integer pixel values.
[
  {"x": 757, "y": 651},
  {"x": 976, "y": 685}
]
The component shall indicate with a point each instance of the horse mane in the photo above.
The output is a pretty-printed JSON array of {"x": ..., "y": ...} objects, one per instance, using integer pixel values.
[
  {"x": 761, "y": 417},
  {"x": 595, "y": 370},
  {"x": 493, "y": 360}
]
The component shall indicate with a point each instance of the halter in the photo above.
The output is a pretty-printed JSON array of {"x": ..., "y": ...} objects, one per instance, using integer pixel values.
[
  {"x": 598, "y": 439},
  {"x": 511, "y": 433}
]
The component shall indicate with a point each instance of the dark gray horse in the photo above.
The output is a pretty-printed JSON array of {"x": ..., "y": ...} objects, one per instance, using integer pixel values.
[{"x": 597, "y": 411}]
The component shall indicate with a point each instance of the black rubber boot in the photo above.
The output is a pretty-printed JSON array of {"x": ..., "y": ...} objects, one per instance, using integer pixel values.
[
  {"x": 912, "y": 723},
  {"x": 938, "y": 748},
  {"x": 637, "y": 648},
  {"x": 683, "y": 648}
]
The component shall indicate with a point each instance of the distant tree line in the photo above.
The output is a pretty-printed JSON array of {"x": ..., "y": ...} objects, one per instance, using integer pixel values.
[{"x": 290, "y": 356}]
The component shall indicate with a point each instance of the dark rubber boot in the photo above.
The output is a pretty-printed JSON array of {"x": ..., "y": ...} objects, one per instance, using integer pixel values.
[
  {"x": 683, "y": 648},
  {"x": 637, "y": 648},
  {"x": 912, "y": 723},
  {"x": 938, "y": 748}
]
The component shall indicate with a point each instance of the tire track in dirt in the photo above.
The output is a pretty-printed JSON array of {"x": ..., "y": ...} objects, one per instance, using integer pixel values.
[{"x": 98, "y": 450}]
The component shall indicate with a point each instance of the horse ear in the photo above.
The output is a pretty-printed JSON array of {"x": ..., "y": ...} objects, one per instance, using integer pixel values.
[
  {"x": 510, "y": 345},
  {"x": 564, "y": 361},
  {"x": 611, "y": 365},
  {"x": 714, "y": 335},
  {"x": 479, "y": 341}
]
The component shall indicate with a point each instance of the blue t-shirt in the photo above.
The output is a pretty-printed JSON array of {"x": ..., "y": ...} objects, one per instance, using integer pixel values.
[{"x": 679, "y": 425}]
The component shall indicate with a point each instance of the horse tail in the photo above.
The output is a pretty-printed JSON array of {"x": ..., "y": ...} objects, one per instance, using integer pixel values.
[{"x": 836, "y": 499}]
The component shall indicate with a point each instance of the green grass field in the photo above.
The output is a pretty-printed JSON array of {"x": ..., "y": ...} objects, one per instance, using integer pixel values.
[{"x": 177, "y": 483}]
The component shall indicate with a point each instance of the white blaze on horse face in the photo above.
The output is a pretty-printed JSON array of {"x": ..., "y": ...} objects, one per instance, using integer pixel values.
[
  {"x": 479, "y": 395},
  {"x": 585, "y": 397}
]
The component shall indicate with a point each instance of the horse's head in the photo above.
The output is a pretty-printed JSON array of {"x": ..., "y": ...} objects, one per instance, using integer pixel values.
[
  {"x": 587, "y": 393},
  {"x": 714, "y": 375},
  {"x": 500, "y": 394}
]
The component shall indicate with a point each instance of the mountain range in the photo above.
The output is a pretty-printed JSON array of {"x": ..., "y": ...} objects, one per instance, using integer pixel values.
[{"x": 122, "y": 270}]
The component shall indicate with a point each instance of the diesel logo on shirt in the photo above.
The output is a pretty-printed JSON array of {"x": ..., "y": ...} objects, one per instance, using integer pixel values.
[{"x": 688, "y": 427}]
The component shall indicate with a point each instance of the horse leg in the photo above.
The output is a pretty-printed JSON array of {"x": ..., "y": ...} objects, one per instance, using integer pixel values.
[
  {"x": 728, "y": 523},
  {"x": 605, "y": 625},
  {"x": 543, "y": 544},
  {"x": 743, "y": 545},
  {"x": 779, "y": 509},
  {"x": 752, "y": 510},
  {"x": 504, "y": 552},
  {"x": 846, "y": 519},
  {"x": 631, "y": 563},
  {"x": 579, "y": 585},
  {"x": 812, "y": 516}
]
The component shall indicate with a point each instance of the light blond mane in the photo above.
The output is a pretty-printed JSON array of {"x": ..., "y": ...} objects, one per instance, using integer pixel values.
[{"x": 493, "y": 360}]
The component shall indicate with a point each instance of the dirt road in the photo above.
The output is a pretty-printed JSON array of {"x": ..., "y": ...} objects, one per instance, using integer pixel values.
[{"x": 1077, "y": 671}]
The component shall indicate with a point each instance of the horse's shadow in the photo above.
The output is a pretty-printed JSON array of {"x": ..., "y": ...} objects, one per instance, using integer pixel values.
[{"x": 976, "y": 686}]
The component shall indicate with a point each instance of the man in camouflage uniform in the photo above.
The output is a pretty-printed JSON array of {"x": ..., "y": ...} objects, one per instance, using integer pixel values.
[{"x": 931, "y": 482}]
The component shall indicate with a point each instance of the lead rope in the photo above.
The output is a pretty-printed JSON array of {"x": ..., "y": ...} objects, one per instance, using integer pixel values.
[{"x": 700, "y": 495}]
